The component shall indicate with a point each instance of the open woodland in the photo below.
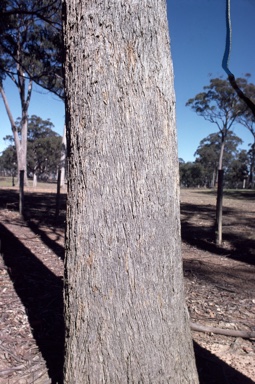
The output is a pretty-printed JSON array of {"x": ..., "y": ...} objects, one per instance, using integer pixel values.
[{"x": 220, "y": 285}]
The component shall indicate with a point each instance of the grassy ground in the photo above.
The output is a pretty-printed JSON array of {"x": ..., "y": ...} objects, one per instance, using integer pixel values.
[
  {"x": 7, "y": 182},
  {"x": 228, "y": 193}
]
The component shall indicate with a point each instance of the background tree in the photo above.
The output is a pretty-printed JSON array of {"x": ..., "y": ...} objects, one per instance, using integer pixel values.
[
  {"x": 44, "y": 148},
  {"x": 208, "y": 152},
  {"x": 237, "y": 172},
  {"x": 192, "y": 175},
  {"x": 247, "y": 119},
  {"x": 124, "y": 300},
  {"x": 219, "y": 105},
  {"x": 43, "y": 157},
  {"x": 8, "y": 161},
  {"x": 30, "y": 49},
  {"x": 39, "y": 41}
]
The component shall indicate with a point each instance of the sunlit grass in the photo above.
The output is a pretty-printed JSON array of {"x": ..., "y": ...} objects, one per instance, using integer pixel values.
[
  {"x": 7, "y": 182},
  {"x": 242, "y": 194}
]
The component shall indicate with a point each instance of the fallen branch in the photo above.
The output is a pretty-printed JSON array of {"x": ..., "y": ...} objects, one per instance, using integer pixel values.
[{"x": 226, "y": 332}]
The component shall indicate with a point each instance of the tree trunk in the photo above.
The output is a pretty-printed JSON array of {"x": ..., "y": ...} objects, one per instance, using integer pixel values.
[
  {"x": 252, "y": 164},
  {"x": 126, "y": 320},
  {"x": 219, "y": 201},
  {"x": 20, "y": 142},
  {"x": 214, "y": 178},
  {"x": 21, "y": 193},
  {"x": 34, "y": 180},
  {"x": 62, "y": 165}
]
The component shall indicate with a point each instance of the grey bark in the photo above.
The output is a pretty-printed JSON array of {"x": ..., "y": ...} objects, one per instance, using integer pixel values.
[
  {"x": 62, "y": 165},
  {"x": 25, "y": 97},
  {"x": 219, "y": 200},
  {"x": 126, "y": 320}
]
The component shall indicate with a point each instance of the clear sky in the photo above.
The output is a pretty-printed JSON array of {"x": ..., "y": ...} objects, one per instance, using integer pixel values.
[{"x": 197, "y": 33}]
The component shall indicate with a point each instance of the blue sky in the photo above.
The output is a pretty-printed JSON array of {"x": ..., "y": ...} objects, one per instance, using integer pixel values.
[{"x": 197, "y": 33}]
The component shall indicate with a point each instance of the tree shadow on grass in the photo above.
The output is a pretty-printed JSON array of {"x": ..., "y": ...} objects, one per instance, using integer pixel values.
[
  {"x": 39, "y": 206},
  {"x": 40, "y": 210},
  {"x": 212, "y": 370},
  {"x": 244, "y": 194},
  {"x": 50, "y": 243},
  {"x": 197, "y": 229},
  {"x": 40, "y": 291}
]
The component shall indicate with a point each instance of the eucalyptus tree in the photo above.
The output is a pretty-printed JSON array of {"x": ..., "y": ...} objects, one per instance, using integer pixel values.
[
  {"x": 219, "y": 104},
  {"x": 208, "y": 151},
  {"x": 247, "y": 119},
  {"x": 8, "y": 161},
  {"x": 192, "y": 175},
  {"x": 38, "y": 46},
  {"x": 43, "y": 150},
  {"x": 125, "y": 314},
  {"x": 30, "y": 49},
  {"x": 237, "y": 172}
]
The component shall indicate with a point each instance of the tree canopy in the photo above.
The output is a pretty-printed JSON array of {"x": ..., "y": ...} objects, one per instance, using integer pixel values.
[
  {"x": 203, "y": 172},
  {"x": 43, "y": 152},
  {"x": 218, "y": 104},
  {"x": 31, "y": 38}
]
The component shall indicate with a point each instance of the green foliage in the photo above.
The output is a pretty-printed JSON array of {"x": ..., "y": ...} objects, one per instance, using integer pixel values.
[
  {"x": 43, "y": 156},
  {"x": 191, "y": 175},
  {"x": 218, "y": 104},
  {"x": 203, "y": 172},
  {"x": 43, "y": 150},
  {"x": 208, "y": 152},
  {"x": 31, "y": 37},
  {"x": 8, "y": 161},
  {"x": 237, "y": 170}
]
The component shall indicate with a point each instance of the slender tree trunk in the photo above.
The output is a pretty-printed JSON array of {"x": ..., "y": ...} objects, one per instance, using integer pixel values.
[
  {"x": 20, "y": 142},
  {"x": 126, "y": 320},
  {"x": 214, "y": 178},
  {"x": 62, "y": 165},
  {"x": 13, "y": 125},
  {"x": 252, "y": 164},
  {"x": 219, "y": 201},
  {"x": 21, "y": 192},
  {"x": 34, "y": 179}
]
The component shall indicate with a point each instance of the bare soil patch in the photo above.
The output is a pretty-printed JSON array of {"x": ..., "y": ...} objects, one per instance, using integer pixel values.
[{"x": 219, "y": 281}]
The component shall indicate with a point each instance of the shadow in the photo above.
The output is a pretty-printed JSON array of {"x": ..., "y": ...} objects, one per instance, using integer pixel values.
[
  {"x": 40, "y": 209},
  {"x": 212, "y": 370},
  {"x": 219, "y": 277},
  {"x": 41, "y": 294},
  {"x": 9, "y": 199},
  {"x": 203, "y": 236},
  {"x": 232, "y": 194},
  {"x": 40, "y": 206},
  {"x": 52, "y": 244}
]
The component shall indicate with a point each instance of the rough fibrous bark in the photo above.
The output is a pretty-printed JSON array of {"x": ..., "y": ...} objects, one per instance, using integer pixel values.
[{"x": 125, "y": 315}]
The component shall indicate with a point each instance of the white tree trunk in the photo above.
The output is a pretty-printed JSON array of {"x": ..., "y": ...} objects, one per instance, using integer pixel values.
[{"x": 34, "y": 180}]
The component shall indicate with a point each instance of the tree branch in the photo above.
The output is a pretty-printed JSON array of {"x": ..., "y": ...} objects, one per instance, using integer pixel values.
[
  {"x": 226, "y": 332},
  {"x": 240, "y": 93}
]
